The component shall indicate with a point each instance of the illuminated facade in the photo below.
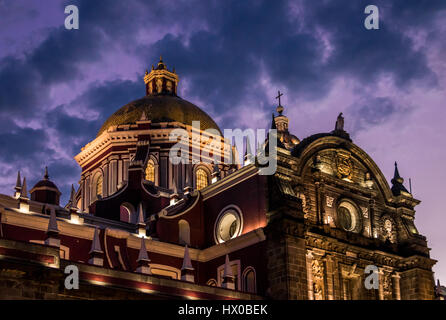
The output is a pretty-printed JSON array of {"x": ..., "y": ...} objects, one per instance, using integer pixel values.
[{"x": 155, "y": 229}]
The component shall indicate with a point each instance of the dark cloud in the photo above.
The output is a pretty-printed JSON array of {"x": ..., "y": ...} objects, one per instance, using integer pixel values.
[
  {"x": 224, "y": 63},
  {"x": 21, "y": 88},
  {"x": 222, "y": 50},
  {"x": 104, "y": 98},
  {"x": 61, "y": 57},
  {"x": 23, "y": 144},
  {"x": 372, "y": 111}
]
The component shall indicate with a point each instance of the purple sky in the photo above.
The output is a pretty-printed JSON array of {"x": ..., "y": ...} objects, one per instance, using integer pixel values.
[{"x": 58, "y": 86}]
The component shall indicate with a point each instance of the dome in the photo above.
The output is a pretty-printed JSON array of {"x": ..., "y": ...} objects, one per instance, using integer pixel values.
[
  {"x": 45, "y": 191},
  {"x": 160, "y": 108},
  {"x": 45, "y": 183}
]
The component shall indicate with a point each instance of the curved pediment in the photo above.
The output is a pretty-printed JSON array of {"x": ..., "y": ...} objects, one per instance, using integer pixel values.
[{"x": 342, "y": 159}]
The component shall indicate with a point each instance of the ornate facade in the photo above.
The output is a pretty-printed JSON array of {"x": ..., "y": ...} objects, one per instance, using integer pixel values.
[{"x": 140, "y": 226}]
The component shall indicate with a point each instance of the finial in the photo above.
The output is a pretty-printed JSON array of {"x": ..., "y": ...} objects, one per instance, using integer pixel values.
[
  {"x": 52, "y": 231},
  {"x": 227, "y": 271},
  {"x": 248, "y": 147},
  {"x": 142, "y": 255},
  {"x": 52, "y": 224},
  {"x": 147, "y": 72},
  {"x": 279, "y": 108},
  {"x": 187, "y": 263},
  {"x": 96, "y": 254},
  {"x": 153, "y": 68},
  {"x": 234, "y": 157},
  {"x": 96, "y": 244},
  {"x": 174, "y": 185},
  {"x": 161, "y": 58},
  {"x": 143, "y": 259},
  {"x": 248, "y": 158},
  {"x": 72, "y": 195},
  {"x": 273, "y": 122},
  {"x": 46, "y": 176},
  {"x": 216, "y": 168},
  {"x": 187, "y": 270},
  {"x": 18, "y": 184},
  {"x": 24, "y": 191},
  {"x": 396, "y": 174},
  {"x": 215, "y": 173},
  {"x": 397, "y": 183},
  {"x": 140, "y": 215}
]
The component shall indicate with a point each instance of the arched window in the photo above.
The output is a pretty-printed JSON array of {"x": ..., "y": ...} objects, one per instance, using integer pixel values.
[
  {"x": 99, "y": 183},
  {"x": 127, "y": 212},
  {"x": 212, "y": 282},
  {"x": 150, "y": 171},
  {"x": 184, "y": 232},
  {"x": 201, "y": 179},
  {"x": 124, "y": 214},
  {"x": 249, "y": 280}
]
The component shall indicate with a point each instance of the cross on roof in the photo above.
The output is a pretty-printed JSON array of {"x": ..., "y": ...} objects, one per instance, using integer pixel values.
[{"x": 278, "y": 96}]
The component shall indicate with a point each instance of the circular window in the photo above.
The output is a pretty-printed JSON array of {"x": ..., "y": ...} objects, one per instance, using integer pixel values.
[
  {"x": 228, "y": 226},
  {"x": 347, "y": 216}
]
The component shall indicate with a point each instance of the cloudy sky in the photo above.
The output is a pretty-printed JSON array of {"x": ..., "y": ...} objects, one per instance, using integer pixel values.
[{"x": 58, "y": 86}]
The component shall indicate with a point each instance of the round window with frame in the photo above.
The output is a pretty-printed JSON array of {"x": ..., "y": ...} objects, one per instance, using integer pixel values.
[
  {"x": 348, "y": 217},
  {"x": 228, "y": 225}
]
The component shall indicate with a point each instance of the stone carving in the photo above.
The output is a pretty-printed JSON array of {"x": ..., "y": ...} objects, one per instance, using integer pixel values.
[
  {"x": 318, "y": 279},
  {"x": 302, "y": 193},
  {"x": 388, "y": 230},
  {"x": 387, "y": 286},
  {"x": 344, "y": 166},
  {"x": 340, "y": 123},
  {"x": 330, "y": 201},
  {"x": 365, "y": 212}
]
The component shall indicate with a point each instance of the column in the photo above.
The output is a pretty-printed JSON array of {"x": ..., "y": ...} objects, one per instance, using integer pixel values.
[
  {"x": 106, "y": 178},
  {"x": 396, "y": 286},
  {"x": 330, "y": 275},
  {"x": 120, "y": 166},
  {"x": 309, "y": 258},
  {"x": 381, "y": 281}
]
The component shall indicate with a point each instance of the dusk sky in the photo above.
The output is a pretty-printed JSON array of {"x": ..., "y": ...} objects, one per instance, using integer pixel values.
[{"x": 58, "y": 86}]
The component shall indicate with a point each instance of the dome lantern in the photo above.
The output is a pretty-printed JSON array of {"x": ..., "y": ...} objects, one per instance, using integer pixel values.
[
  {"x": 45, "y": 191},
  {"x": 160, "y": 80}
]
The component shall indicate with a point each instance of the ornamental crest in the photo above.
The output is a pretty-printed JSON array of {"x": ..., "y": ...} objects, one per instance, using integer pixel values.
[
  {"x": 318, "y": 279},
  {"x": 344, "y": 165}
]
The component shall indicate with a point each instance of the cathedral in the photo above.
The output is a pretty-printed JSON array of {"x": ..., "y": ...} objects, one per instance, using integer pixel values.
[{"x": 139, "y": 226}]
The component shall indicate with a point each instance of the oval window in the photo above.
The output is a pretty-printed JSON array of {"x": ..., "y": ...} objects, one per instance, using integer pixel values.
[{"x": 347, "y": 216}]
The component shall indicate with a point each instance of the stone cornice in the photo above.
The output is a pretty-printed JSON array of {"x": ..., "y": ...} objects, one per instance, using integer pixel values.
[{"x": 157, "y": 134}]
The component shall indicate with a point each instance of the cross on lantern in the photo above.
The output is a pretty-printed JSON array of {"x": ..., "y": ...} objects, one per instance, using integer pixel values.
[{"x": 278, "y": 96}]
